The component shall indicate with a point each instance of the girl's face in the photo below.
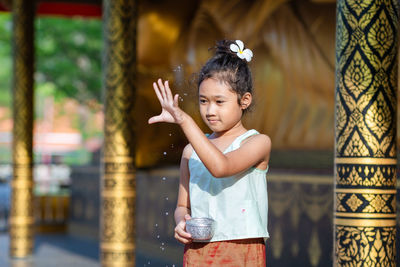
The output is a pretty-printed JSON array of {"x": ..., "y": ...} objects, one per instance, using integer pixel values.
[{"x": 219, "y": 107}]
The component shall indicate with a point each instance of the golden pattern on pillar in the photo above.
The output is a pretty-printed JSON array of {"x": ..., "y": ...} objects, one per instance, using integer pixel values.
[
  {"x": 366, "y": 106},
  {"x": 21, "y": 215},
  {"x": 118, "y": 180}
]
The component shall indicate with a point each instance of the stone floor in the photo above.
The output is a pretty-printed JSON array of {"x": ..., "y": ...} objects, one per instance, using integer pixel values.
[{"x": 57, "y": 250}]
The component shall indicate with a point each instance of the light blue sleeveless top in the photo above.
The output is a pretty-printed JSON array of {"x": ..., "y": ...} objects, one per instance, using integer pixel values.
[{"x": 238, "y": 204}]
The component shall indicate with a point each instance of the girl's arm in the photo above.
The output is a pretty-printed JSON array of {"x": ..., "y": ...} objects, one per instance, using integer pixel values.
[
  {"x": 182, "y": 211},
  {"x": 253, "y": 151}
]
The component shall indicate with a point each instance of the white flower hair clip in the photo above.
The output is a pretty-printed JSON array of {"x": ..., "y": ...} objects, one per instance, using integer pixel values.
[{"x": 238, "y": 49}]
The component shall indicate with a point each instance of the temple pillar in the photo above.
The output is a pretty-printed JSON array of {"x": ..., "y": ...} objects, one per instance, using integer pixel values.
[
  {"x": 365, "y": 133},
  {"x": 118, "y": 185},
  {"x": 21, "y": 215}
]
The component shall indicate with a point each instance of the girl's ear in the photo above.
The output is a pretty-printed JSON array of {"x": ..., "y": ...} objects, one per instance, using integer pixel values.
[{"x": 245, "y": 101}]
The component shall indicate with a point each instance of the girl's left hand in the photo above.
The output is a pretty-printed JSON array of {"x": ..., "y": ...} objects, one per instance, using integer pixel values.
[{"x": 170, "y": 110}]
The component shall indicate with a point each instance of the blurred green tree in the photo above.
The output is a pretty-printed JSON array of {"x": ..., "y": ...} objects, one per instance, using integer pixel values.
[
  {"x": 68, "y": 58},
  {"x": 5, "y": 59}
]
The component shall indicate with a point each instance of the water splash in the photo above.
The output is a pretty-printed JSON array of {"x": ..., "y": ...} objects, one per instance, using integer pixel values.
[{"x": 179, "y": 75}]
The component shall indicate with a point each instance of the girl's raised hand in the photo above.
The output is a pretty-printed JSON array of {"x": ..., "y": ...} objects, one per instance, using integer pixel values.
[{"x": 170, "y": 109}]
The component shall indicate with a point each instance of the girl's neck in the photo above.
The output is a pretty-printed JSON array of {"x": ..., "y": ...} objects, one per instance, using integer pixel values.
[{"x": 236, "y": 130}]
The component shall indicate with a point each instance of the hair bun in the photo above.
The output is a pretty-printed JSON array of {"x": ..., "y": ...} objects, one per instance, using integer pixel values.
[{"x": 222, "y": 47}]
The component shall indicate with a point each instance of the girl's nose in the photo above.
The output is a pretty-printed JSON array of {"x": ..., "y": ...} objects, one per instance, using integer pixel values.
[{"x": 211, "y": 109}]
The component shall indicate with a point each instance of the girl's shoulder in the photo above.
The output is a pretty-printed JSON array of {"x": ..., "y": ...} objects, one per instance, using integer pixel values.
[
  {"x": 187, "y": 151},
  {"x": 257, "y": 138}
]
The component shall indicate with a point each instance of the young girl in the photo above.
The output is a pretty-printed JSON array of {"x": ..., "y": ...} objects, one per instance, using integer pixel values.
[{"x": 222, "y": 175}]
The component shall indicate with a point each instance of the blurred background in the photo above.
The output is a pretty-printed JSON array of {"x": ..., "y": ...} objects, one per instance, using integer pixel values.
[{"x": 293, "y": 70}]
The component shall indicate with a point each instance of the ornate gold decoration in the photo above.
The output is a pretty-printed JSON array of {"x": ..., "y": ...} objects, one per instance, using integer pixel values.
[
  {"x": 118, "y": 180},
  {"x": 21, "y": 215},
  {"x": 366, "y": 175},
  {"x": 353, "y": 202},
  {"x": 366, "y": 106},
  {"x": 378, "y": 203},
  {"x": 366, "y": 246}
]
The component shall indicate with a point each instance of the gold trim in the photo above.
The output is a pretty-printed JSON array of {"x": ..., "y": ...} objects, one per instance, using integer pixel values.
[
  {"x": 117, "y": 246},
  {"x": 21, "y": 220},
  {"x": 21, "y": 160},
  {"x": 364, "y": 215},
  {"x": 119, "y": 176},
  {"x": 21, "y": 183},
  {"x": 364, "y": 222},
  {"x": 367, "y": 161},
  {"x": 365, "y": 191},
  {"x": 118, "y": 193},
  {"x": 113, "y": 263},
  {"x": 118, "y": 159}
]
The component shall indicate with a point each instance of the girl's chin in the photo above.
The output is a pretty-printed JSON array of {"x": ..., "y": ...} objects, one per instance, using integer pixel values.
[{"x": 215, "y": 128}]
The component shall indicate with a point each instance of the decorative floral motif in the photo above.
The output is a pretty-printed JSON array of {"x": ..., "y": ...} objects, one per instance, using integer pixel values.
[
  {"x": 238, "y": 49},
  {"x": 354, "y": 202}
]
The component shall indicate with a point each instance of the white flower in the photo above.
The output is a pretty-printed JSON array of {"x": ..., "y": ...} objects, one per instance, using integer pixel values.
[{"x": 238, "y": 48}]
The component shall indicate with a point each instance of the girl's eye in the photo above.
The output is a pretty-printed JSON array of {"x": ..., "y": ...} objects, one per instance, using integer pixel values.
[
  {"x": 202, "y": 101},
  {"x": 220, "y": 101}
]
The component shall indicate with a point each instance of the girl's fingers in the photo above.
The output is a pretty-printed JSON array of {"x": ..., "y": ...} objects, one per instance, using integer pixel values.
[
  {"x": 168, "y": 91},
  {"x": 176, "y": 100},
  {"x": 154, "y": 119},
  {"x": 159, "y": 96},
  {"x": 183, "y": 234},
  {"x": 183, "y": 239},
  {"x": 162, "y": 89}
]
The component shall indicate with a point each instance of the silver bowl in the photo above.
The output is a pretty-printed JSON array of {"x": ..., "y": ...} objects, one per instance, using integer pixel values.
[{"x": 200, "y": 228}]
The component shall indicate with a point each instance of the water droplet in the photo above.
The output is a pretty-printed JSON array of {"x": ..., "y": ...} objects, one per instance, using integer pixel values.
[
  {"x": 158, "y": 236},
  {"x": 162, "y": 244},
  {"x": 148, "y": 262},
  {"x": 170, "y": 134},
  {"x": 164, "y": 178},
  {"x": 165, "y": 153},
  {"x": 166, "y": 198},
  {"x": 156, "y": 225},
  {"x": 162, "y": 249},
  {"x": 172, "y": 145},
  {"x": 166, "y": 213},
  {"x": 184, "y": 94}
]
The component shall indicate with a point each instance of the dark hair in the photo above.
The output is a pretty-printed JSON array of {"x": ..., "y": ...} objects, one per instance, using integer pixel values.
[{"x": 227, "y": 67}]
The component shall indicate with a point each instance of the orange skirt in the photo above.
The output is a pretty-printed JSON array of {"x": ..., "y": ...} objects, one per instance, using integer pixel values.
[{"x": 231, "y": 253}]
